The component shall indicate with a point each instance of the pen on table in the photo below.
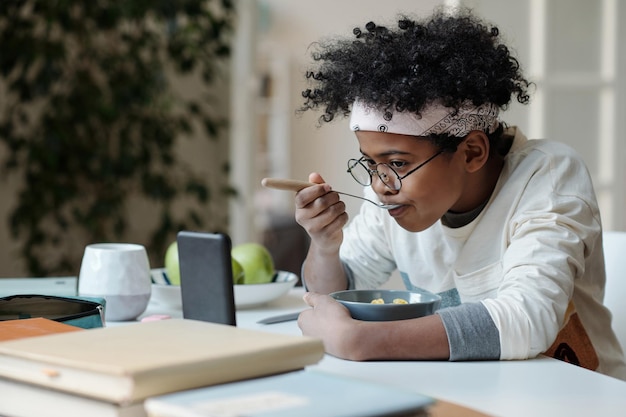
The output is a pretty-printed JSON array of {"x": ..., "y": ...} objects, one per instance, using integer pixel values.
[{"x": 280, "y": 318}]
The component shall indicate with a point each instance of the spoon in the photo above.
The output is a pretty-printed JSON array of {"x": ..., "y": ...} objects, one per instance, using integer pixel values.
[{"x": 295, "y": 185}]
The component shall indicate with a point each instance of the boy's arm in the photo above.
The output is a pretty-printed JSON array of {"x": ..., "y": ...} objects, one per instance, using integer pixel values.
[
  {"x": 323, "y": 215},
  {"x": 323, "y": 273},
  {"x": 344, "y": 337}
]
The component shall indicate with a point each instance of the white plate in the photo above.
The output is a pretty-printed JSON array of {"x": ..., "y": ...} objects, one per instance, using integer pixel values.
[
  {"x": 168, "y": 296},
  {"x": 250, "y": 295},
  {"x": 246, "y": 296}
]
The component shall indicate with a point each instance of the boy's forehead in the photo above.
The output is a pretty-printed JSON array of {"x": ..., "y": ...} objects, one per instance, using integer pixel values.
[{"x": 381, "y": 144}]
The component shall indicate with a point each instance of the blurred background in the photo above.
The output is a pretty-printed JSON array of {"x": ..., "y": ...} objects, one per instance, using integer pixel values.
[{"x": 242, "y": 124}]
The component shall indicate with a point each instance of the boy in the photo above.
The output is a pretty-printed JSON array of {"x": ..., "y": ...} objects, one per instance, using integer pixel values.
[{"x": 507, "y": 230}]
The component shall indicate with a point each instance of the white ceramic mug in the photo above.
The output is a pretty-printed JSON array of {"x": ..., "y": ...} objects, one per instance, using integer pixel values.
[{"x": 119, "y": 273}]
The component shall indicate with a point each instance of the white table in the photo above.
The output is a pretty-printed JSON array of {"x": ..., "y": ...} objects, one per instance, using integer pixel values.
[{"x": 537, "y": 387}]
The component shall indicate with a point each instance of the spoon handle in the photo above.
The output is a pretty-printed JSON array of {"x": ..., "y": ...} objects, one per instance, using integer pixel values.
[
  {"x": 295, "y": 185},
  {"x": 285, "y": 184}
]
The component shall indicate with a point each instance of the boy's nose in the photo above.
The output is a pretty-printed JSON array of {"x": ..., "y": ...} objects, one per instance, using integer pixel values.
[{"x": 379, "y": 186}]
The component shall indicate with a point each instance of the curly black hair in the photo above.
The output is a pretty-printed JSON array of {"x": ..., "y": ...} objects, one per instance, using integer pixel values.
[{"x": 450, "y": 59}]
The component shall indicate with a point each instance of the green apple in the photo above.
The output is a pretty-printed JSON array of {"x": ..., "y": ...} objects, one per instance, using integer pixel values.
[
  {"x": 238, "y": 273},
  {"x": 171, "y": 264},
  {"x": 256, "y": 261}
]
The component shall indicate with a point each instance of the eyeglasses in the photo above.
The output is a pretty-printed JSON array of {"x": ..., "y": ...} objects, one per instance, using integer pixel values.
[{"x": 363, "y": 175}]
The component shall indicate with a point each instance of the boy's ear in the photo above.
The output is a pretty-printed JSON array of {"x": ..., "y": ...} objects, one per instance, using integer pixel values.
[{"x": 476, "y": 148}]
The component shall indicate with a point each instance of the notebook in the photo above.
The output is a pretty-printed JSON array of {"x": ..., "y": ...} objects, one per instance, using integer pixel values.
[
  {"x": 306, "y": 393},
  {"x": 38, "y": 326},
  {"x": 125, "y": 364}
]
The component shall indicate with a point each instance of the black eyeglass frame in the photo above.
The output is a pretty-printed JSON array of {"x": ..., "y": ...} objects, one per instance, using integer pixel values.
[{"x": 353, "y": 162}]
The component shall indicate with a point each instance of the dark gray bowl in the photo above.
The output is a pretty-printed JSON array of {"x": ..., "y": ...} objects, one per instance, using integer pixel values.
[{"x": 359, "y": 303}]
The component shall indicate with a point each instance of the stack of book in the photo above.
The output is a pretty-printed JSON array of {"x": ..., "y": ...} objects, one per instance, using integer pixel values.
[
  {"x": 111, "y": 371},
  {"x": 184, "y": 368}
]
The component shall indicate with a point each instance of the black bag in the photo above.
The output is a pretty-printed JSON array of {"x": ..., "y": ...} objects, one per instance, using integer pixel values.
[{"x": 82, "y": 312}]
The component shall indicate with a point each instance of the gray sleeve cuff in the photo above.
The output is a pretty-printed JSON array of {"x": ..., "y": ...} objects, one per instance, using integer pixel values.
[{"x": 472, "y": 334}]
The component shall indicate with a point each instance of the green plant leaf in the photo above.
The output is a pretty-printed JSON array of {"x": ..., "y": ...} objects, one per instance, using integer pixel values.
[{"x": 91, "y": 119}]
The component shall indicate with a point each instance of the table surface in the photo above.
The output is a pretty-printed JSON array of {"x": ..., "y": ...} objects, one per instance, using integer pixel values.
[{"x": 536, "y": 387}]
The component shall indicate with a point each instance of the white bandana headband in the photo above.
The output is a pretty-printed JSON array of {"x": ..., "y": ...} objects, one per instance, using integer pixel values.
[{"x": 435, "y": 119}]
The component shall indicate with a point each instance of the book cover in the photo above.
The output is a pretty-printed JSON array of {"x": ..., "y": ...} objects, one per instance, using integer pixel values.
[
  {"x": 39, "y": 326},
  {"x": 125, "y": 364},
  {"x": 25, "y": 400},
  {"x": 305, "y": 393}
]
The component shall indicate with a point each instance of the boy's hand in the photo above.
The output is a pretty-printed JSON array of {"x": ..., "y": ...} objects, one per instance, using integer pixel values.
[
  {"x": 322, "y": 214},
  {"x": 327, "y": 320}
]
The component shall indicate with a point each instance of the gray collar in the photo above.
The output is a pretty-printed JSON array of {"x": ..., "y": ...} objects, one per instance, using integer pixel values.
[{"x": 455, "y": 220}]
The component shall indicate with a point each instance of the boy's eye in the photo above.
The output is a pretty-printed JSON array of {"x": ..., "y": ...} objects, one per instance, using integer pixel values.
[
  {"x": 369, "y": 163},
  {"x": 397, "y": 164}
]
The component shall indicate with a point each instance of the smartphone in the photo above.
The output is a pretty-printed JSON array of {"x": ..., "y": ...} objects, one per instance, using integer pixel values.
[{"x": 206, "y": 277}]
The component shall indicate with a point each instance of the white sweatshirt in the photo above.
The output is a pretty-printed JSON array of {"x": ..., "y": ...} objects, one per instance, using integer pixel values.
[{"x": 508, "y": 277}]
